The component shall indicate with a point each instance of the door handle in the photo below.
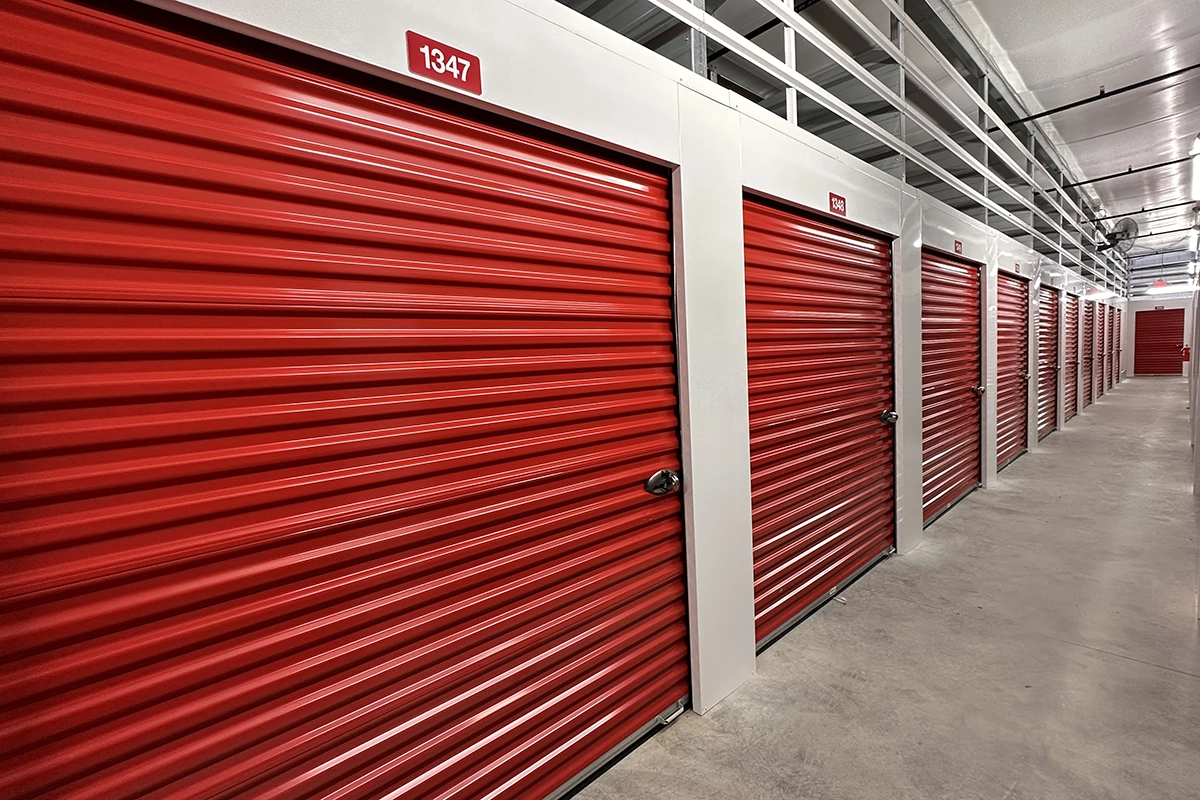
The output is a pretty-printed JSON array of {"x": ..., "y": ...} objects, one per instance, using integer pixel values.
[
  {"x": 1026, "y": 375},
  {"x": 889, "y": 417},
  {"x": 665, "y": 481},
  {"x": 979, "y": 390}
]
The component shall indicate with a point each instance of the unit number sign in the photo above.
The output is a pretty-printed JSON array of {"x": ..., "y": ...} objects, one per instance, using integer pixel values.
[
  {"x": 443, "y": 63},
  {"x": 837, "y": 204}
]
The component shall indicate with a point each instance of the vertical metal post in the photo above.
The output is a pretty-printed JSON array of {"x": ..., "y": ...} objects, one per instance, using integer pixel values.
[
  {"x": 985, "y": 93},
  {"x": 896, "y": 34},
  {"x": 791, "y": 94},
  {"x": 698, "y": 45}
]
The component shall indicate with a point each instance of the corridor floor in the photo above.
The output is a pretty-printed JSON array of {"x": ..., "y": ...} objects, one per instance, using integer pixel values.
[{"x": 1041, "y": 643}]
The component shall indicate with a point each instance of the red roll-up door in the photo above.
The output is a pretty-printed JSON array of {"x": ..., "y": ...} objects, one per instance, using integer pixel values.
[
  {"x": 1158, "y": 342},
  {"x": 1110, "y": 363},
  {"x": 1012, "y": 368},
  {"x": 1072, "y": 358},
  {"x": 1047, "y": 416},
  {"x": 819, "y": 325},
  {"x": 326, "y": 419},
  {"x": 1120, "y": 342},
  {"x": 951, "y": 418},
  {"x": 1100, "y": 355},
  {"x": 1088, "y": 356}
]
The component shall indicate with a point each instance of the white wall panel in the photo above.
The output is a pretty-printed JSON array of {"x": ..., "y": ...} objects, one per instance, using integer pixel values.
[
  {"x": 792, "y": 165},
  {"x": 539, "y": 60},
  {"x": 910, "y": 527},
  {"x": 710, "y": 294},
  {"x": 990, "y": 306}
]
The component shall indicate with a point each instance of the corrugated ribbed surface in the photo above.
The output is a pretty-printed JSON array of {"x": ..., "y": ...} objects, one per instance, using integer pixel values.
[
  {"x": 1087, "y": 356},
  {"x": 325, "y": 422},
  {"x": 1072, "y": 357},
  {"x": 1158, "y": 339},
  {"x": 950, "y": 351},
  {"x": 1110, "y": 360},
  {"x": 1012, "y": 368},
  {"x": 1100, "y": 356},
  {"x": 1048, "y": 368},
  {"x": 819, "y": 324},
  {"x": 1120, "y": 344}
]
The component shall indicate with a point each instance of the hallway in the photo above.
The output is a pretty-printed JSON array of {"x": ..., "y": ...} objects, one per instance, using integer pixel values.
[{"x": 1041, "y": 643}]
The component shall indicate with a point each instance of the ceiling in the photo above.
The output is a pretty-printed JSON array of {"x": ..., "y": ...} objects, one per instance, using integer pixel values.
[{"x": 1055, "y": 52}]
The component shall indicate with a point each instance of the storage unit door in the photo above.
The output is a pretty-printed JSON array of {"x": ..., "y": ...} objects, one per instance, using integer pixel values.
[
  {"x": 819, "y": 327},
  {"x": 326, "y": 422},
  {"x": 1072, "y": 358},
  {"x": 1158, "y": 342},
  {"x": 1100, "y": 356},
  {"x": 1088, "y": 356},
  {"x": 1110, "y": 363},
  {"x": 1012, "y": 368},
  {"x": 1047, "y": 383},
  {"x": 1120, "y": 343},
  {"x": 951, "y": 377}
]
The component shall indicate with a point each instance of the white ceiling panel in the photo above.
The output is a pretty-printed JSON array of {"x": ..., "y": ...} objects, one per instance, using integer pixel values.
[{"x": 1058, "y": 52}]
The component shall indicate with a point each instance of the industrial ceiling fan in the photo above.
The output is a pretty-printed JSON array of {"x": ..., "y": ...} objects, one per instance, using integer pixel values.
[{"x": 1122, "y": 236}]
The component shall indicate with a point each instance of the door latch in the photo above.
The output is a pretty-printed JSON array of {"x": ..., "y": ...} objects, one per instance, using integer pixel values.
[
  {"x": 978, "y": 390},
  {"x": 1026, "y": 375},
  {"x": 665, "y": 481},
  {"x": 889, "y": 417}
]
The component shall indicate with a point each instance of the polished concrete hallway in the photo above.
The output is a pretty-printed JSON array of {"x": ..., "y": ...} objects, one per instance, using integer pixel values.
[{"x": 1041, "y": 643}]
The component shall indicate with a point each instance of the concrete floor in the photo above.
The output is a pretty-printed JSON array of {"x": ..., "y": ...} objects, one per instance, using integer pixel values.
[{"x": 1041, "y": 643}]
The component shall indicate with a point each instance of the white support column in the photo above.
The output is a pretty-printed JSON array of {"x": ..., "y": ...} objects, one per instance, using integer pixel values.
[
  {"x": 987, "y": 306},
  {"x": 906, "y": 291},
  {"x": 710, "y": 297},
  {"x": 790, "y": 93},
  {"x": 1034, "y": 395}
]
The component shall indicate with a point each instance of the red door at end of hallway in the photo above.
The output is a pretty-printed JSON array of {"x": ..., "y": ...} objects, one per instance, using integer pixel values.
[
  {"x": 1087, "y": 356},
  {"x": 1071, "y": 359},
  {"x": 951, "y": 381},
  {"x": 1048, "y": 368},
  {"x": 1158, "y": 342},
  {"x": 819, "y": 328},
  {"x": 1012, "y": 368},
  {"x": 327, "y": 415},
  {"x": 1099, "y": 352}
]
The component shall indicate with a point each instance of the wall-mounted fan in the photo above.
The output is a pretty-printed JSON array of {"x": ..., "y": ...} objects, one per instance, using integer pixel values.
[{"x": 1122, "y": 236}]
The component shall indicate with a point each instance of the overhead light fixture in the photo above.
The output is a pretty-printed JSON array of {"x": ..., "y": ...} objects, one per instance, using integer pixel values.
[{"x": 1165, "y": 289}]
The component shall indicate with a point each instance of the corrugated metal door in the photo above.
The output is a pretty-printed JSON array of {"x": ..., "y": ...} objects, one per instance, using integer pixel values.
[
  {"x": 1100, "y": 352},
  {"x": 952, "y": 387},
  {"x": 1072, "y": 358},
  {"x": 326, "y": 419},
  {"x": 1110, "y": 363},
  {"x": 1012, "y": 368},
  {"x": 819, "y": 324},
  {"x": 1048, "y": 368},
  {"x": 1158, "y": 342},
  {"x": 1120, "y": 343},
  {"x": 1088, "y": 356}
]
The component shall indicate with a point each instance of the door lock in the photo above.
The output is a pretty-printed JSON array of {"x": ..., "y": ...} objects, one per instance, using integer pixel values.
[
  {"x": 889, "y": 417},
  {"x": 1026, "y": 375},
  {"x": 665, "y": 481},
  {"x": 978, "y": 390}
]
